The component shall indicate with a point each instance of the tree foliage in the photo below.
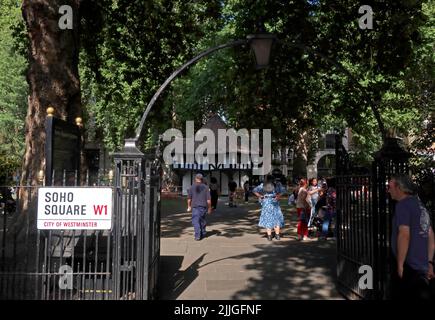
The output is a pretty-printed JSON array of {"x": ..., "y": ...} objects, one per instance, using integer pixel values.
[
  {"x": 301, "y": 94},
  {"x": 13, "y": 89},
  {"x": 130, "y": 48}
]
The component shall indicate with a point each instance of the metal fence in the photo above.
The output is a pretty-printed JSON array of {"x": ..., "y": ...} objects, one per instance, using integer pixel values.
[
  {"x": 364, "y": 219},
  {"x": 354, "y": 231},
  {"x": 51, "y": 264},
  {"x": 117, "y": 264}
]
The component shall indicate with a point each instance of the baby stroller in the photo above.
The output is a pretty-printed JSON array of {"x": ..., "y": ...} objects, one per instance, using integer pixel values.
[
  {"x": 321, "y": 226},
  {"x": 320, "y": 223},
  {"x": 315, "y": 224}
]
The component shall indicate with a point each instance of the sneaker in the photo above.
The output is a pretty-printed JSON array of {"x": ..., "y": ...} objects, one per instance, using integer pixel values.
[
  {"x": 269, "y": 237},
  {"x": 277, "y": 237},
  {"x": 306, "y": 238},
  {"x": 299, "y": 238},
  {"x": 197, "y": 239}
]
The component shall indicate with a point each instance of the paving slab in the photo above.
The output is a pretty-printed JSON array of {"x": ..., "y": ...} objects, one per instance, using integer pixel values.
[{"x": 236, "y": 262}]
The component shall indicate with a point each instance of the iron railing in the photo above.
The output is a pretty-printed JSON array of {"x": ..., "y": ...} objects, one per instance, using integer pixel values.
[
  {"x": 137, "y": 199},
  {"x": 364, "y": 219},
  {"x": 52, "y": 264}
]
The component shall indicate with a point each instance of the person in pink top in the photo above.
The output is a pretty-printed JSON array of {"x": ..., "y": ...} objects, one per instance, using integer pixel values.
[{"x": 303, "y": 207}]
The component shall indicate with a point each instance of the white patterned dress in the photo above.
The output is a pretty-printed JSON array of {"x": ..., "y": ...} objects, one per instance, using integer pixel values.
[{"x": 271, "y": 215}]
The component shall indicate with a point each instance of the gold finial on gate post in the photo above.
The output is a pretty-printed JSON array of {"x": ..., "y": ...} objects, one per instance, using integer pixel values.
[
  {"x": 79, "y": 122},
  {"x": 50, "y": 111},
  {"x": 41, "y": 176}
]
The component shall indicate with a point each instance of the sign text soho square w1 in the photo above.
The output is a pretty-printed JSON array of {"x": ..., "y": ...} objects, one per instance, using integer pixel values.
[{"x": 74, "y": 208}]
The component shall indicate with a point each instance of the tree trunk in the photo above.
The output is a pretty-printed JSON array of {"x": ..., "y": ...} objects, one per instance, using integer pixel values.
[
  {"x": 284, "y": 161},
  {"x": 53, "y": 81},
  {"x": 52, "y": 76}
]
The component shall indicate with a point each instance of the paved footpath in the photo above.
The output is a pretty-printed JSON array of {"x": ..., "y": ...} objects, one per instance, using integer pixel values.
[{"x": 235, "y": 260}]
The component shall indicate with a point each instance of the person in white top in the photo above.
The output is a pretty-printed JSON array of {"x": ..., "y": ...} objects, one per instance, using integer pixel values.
[{"x": 313, "y": 191}]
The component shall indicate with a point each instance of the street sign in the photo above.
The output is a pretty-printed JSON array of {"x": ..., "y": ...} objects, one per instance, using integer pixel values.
[{"x": 74, "y": 208}]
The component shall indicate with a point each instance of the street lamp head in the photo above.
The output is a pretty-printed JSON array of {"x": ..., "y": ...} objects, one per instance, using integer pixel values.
[{"x": 261, "y": 45}]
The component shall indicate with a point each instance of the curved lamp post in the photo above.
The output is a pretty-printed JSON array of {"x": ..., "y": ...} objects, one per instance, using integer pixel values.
[{"x": 261, "y": 45}]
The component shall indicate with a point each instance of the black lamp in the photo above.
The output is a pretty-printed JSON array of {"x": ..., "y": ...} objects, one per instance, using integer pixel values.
[{"x": 261, "y": 44}]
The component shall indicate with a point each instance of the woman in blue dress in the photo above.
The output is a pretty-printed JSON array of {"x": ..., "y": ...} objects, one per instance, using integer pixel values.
[{"x": 271, "y": 216}]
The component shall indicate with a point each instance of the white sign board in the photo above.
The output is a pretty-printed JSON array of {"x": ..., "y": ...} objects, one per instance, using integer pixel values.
[{"x": 74, "y": 208}]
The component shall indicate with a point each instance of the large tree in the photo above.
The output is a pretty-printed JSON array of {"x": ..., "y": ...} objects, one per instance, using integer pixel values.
[
  {"x": 53, "y": 80},
  {"x": 53, "y": 76}
]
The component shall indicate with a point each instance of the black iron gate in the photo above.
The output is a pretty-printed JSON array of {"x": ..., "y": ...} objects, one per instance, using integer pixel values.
[
  {"x": 117, "y": 264},
  {"x": 364, "y": 219},
  {"x": 52, "y": 264},
  {"x": 137, "y": 225}
]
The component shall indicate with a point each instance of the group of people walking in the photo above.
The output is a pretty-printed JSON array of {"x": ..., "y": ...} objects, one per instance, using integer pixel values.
[
  {"x": 412, "y": 238},
  {"x": 315, "y": 205},
  {"x": 312, "y": 201}
]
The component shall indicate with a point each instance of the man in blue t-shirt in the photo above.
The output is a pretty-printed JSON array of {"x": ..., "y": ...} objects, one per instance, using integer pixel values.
[
  {"x": 412, "y": 242},
  {"x": 198, "y": 201}
]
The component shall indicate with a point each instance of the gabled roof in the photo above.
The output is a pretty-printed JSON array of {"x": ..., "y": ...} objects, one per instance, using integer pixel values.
[{"x": 214, "y": 123}]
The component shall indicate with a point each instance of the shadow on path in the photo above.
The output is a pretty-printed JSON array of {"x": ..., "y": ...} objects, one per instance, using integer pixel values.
[
  {"x": 231, "y": 222},
  {"x": 235, "y": 261},
  {"x": 173, "y": 281},
  {"x": 290, "y": 271}
]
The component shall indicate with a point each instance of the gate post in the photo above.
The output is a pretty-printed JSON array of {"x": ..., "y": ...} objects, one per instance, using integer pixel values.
[
  {"x": 136, "y": 225},
  {"x": 128, "y": 221},
  {"x": 149, "y": 245},
  {"x": 390, "y": 159},
  {"x": 151, "y": 241}
]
